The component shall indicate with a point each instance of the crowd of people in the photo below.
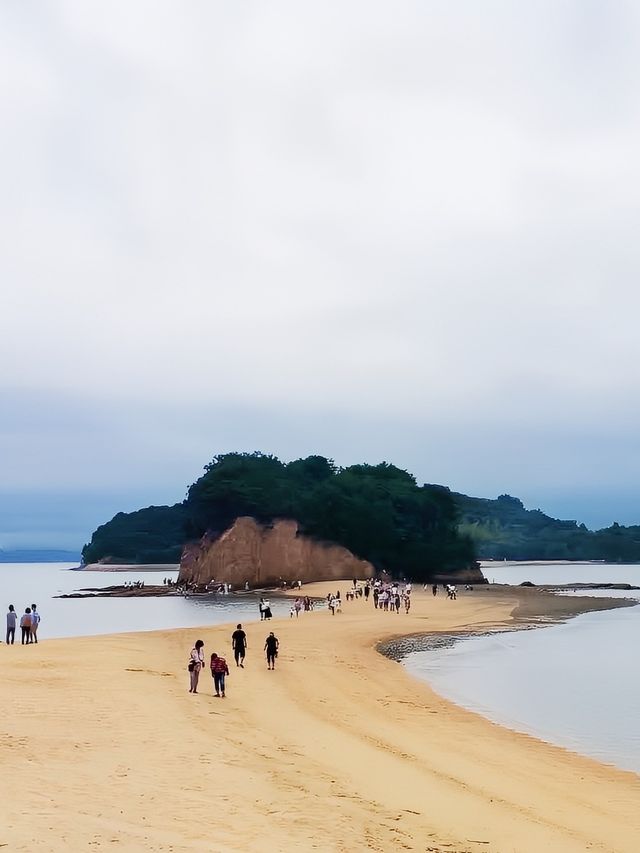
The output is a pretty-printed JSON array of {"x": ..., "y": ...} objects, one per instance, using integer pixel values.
[
  {"x": 218, "y": 664},
  {"x": 387, "y": 596},
  {"x": 29, "y": 622}
]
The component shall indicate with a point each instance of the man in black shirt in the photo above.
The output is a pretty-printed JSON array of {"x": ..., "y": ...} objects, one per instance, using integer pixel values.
[
  {"x": 271, "y": 647},
  {"x": 239, "y": 643}
]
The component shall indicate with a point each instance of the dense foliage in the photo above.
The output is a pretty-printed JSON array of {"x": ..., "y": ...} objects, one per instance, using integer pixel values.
[
  {"x": 151, "y": 535},
  {"x": 503, "y": 529},
  {"x": 376, "y": 511}
]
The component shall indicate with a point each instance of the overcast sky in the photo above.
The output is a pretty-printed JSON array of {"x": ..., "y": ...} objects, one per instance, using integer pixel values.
[{"x": 401, "y": 231}]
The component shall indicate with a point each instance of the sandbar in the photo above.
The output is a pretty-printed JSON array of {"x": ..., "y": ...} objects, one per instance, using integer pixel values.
[{"x": 339, "y": 749}]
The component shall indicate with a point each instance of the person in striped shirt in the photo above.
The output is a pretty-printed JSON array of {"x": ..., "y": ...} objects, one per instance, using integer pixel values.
[{"x": 219, "y": 670}]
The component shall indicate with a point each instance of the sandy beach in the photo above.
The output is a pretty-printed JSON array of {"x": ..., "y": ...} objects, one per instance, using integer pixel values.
[{"x": 339, "y": 749}]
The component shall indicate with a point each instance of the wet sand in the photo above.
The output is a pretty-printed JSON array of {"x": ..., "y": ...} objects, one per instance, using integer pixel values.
[{"x": 339, "y": 749}]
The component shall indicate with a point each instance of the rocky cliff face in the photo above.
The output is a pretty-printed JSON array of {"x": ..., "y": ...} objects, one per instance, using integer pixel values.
[{"x": 267, "y": 555}]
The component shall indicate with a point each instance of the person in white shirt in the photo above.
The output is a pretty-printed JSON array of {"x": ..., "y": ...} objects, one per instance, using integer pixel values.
[
  {"x": 35, "y": 621},
  {"x": 196, "y": 662}
]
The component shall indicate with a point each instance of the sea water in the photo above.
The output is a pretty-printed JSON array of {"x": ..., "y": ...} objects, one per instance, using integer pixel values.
[
  {"x": 22, "y": 584},
  {"x": 575, "y": 684}
]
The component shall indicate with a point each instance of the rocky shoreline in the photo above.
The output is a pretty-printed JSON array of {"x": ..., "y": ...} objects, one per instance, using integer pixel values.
[
  {"x": 121, "y": 592},
  {"x": 535, "y": 607}
]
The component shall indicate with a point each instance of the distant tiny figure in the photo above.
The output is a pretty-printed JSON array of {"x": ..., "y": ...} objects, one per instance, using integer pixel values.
[
  {"x": 239, "y": 645},
  {"x": 196, "y": 662},
  {"x": 299, "y": 584},
  {"x": 25, "y": 626},
  {"x": 12, "y": 621},
  {"x": 271, "y": 645},
  {"x": 219, "y": 669},
  {"x": 297, "y": 605},
  {"x": 35, "y": 621},
  {"x": 246, "y": 586},
  {"x": 267, "y": 609},
  {"x": 261, "y": 607},
  {"x": 434, "y": 589}
]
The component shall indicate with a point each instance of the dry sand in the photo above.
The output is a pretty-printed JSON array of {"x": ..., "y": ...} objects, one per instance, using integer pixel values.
[{"x": 339, "y": 749}]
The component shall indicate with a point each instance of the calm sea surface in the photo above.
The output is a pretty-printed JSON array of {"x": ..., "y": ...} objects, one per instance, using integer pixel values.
[
  {"x": 576, "y": 685},
  {"x": 21, "y": 584}
]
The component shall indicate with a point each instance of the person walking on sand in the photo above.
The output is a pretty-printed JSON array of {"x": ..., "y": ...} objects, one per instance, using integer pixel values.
[
  {"x": 271, "y": 645},
  {"x": 12, "y": 621},
  {"x": 239, "y": 645},
  {"x": 261, "y": 608},
  {"x": 25, "y": 626},
  {"x": 196, "y": 662},
  {"x": 35, "y": 621},
  {"x": 219, "y": 669}
]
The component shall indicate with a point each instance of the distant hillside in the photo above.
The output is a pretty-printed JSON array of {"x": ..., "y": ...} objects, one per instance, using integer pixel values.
[
  {"x": 155, "y": 534},
  {"x": 504, "y": 529},
  {"x": 35, "y": 555}
]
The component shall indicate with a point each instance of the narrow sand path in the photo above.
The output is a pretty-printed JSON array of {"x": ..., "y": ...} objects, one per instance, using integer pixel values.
[{"x": 102, "y": 747}]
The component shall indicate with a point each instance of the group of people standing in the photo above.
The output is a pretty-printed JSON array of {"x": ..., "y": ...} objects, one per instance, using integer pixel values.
[
  {"x": 29, "y": 622},
  {"x": 299, "y": 605},
  {"x": 218, "y": 665},
  {"x": 386, "y": 596},
  {"x": 389, "y": 596},
  {"x": 265, "y": 609}
]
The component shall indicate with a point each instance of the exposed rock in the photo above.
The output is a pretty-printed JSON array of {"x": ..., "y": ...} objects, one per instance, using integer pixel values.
[
  {"x": 267, "y": 555},
  {"x": 120, "y": 592},
  {"x": 472, "y": 575}
]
